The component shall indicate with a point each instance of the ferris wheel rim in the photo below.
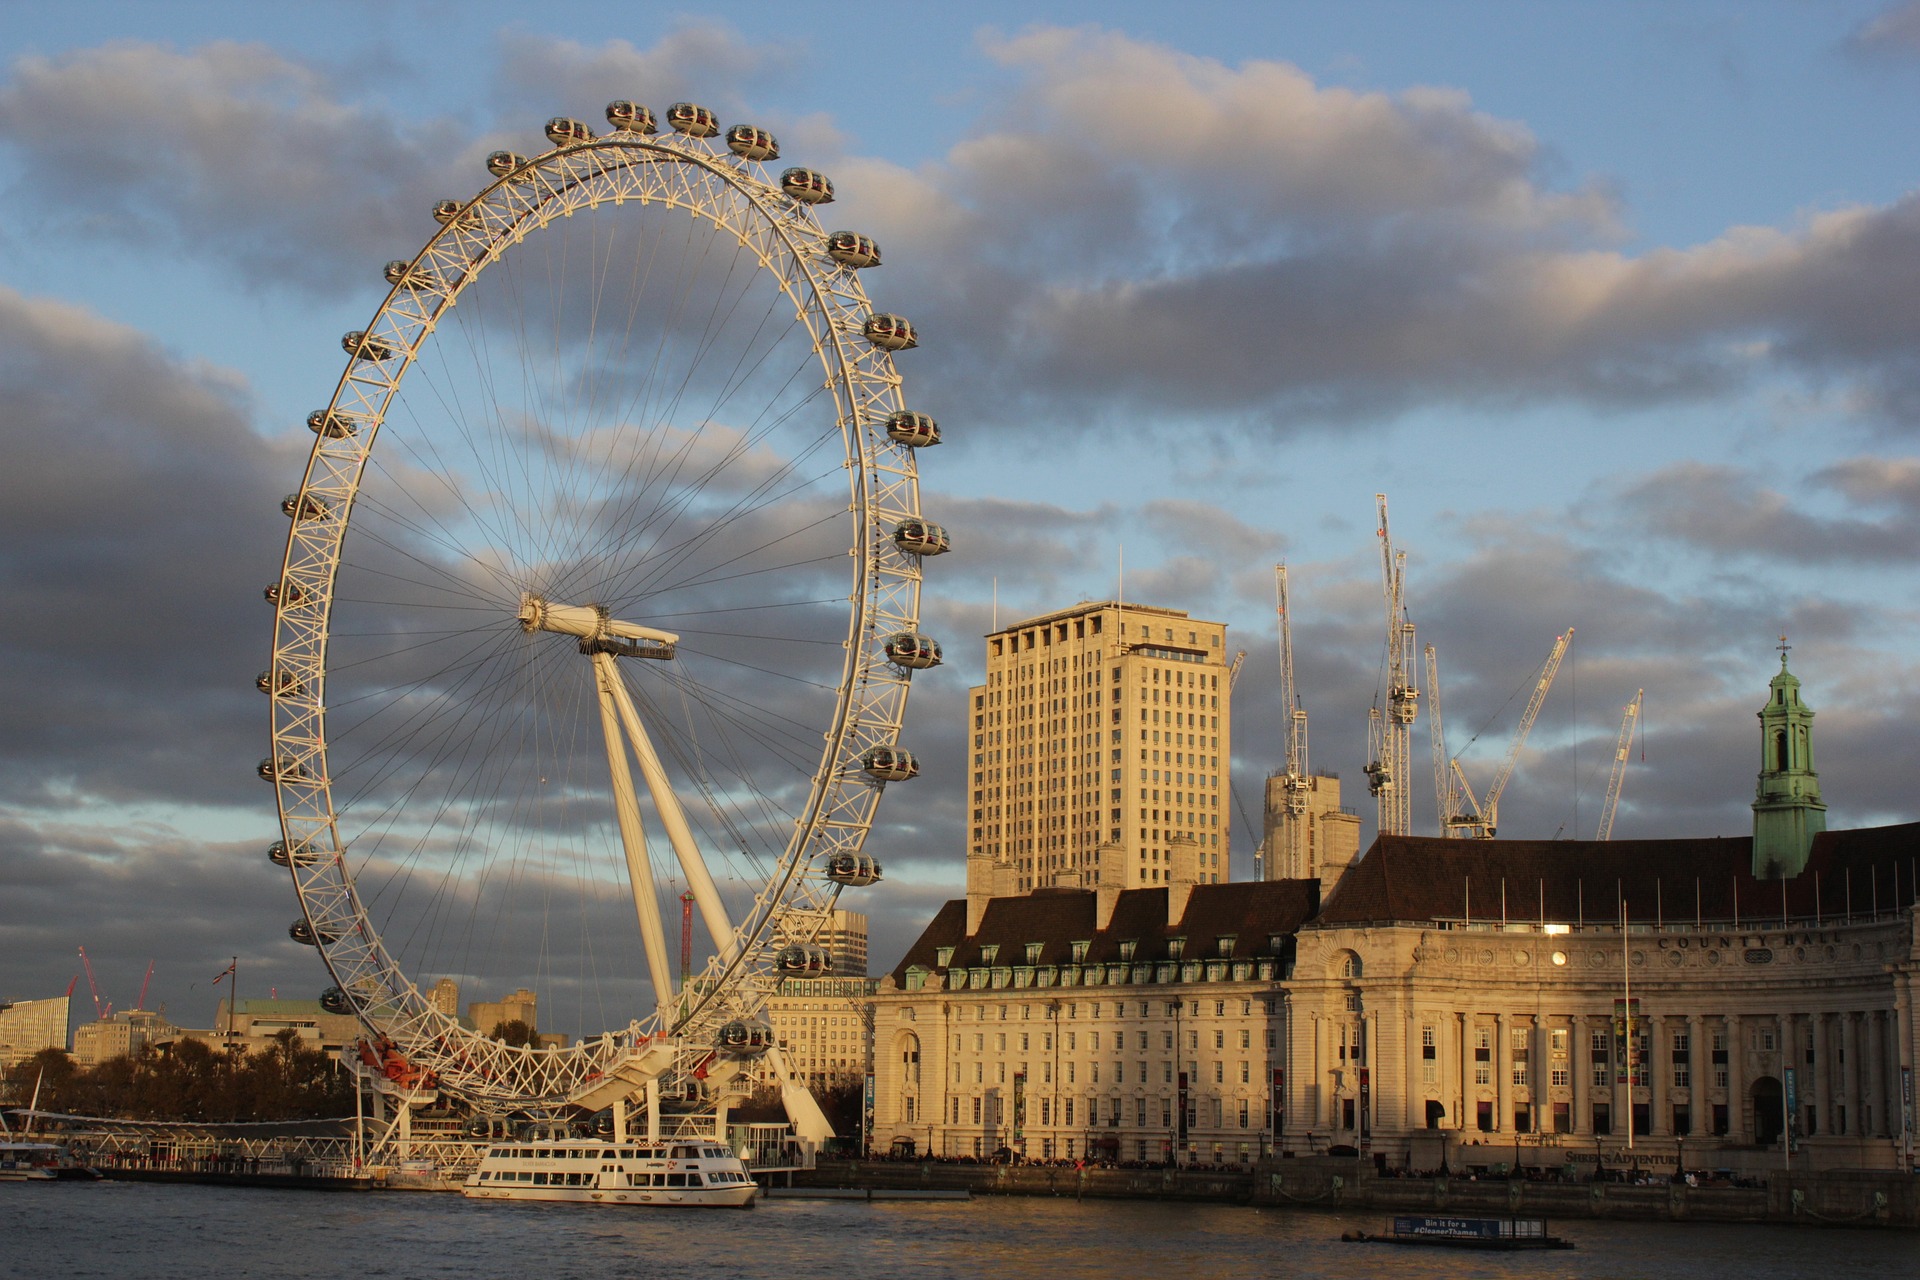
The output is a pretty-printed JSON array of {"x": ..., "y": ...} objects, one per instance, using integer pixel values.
[{"x": 884, "y": 587}]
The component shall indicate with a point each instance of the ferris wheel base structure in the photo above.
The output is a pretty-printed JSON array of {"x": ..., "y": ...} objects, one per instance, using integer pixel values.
[{"x": 609, "y": 428}]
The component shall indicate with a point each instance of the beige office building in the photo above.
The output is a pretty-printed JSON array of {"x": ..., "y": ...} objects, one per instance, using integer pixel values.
[
  {"x": 487, "y": 1015},
  {"x": 824, "y": 1027},
  {"x": 120, "y": 1036},
  {"x": 1309, "y": 834},
  {"x": 28, "y": 1026},
  {"x": 845, "y": 939},
  {"x": 1107, "y": 726}
]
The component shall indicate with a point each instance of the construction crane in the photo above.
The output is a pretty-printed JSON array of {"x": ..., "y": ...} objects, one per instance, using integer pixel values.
[
  {"x": 686, "y": 937},
  {"x": 1233, "y": 673},
  {"x": 144, "y": 984},
  {"x": 1621, "y": 750},
  {"x": 1480, "y": 818},
  {"x": 1390, "y": 730},
  {"x": 1294, "y": 781},
  {"x": 1446, "y": 799},
  {"x": 104, "y": 1011}
]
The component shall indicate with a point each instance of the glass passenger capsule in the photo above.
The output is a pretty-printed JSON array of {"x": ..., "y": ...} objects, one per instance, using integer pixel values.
[
  {"x": 291, "y": 592},
  {"x": 304, "y": 506},
  {"x": 630, "y": 117},
  {"x": 890, "y": 332},
  {"x": 854, "y": 869},
  {"x": 502, "y": 163},
  {"x": 922, "y": 538},
  {"x": 913, "y": 650},
  {"x": 889, "y": 764},
  {"x": 563, "y": 132},
  {"x": 302, "y": 855},
  {"x": 278, "y": 685},
  {"x": 362, "y": 345},
  {"x": 744, "y": 1038},
  {"x": 306, "y": 935},
  {"x": 751, "y": 142},
  {"x": 803, "y": 959},
  {"x": 334, "y": 1000},
  {"x": 851, "y": 249},
  {"x": 915, "y": 430},
  {"x": 692, "y": 119},
  {"x": 807, "y": 186},
  {"x": 407, "y": 276},
  {"x": 286, "y": 768},
  {"x": 332, "y": 424},
  {"x": 445, "y": 211}
]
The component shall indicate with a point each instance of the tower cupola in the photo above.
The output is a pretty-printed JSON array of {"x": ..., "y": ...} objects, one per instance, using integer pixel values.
[{"x": 1787, "y": 809}]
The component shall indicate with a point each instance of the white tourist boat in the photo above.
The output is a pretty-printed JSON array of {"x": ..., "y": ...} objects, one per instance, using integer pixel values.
[
  {"x": 41, "y": 1162},
  {"x": 689, "y": 1174}
]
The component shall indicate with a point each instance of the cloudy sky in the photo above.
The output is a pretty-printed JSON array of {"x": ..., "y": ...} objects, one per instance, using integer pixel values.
[{"x": 1614, "y": 301}]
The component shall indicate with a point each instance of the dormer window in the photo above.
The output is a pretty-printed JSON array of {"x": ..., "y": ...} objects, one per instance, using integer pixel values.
[
  {"x": 990, "y": 953},
  {"x": 1033, "y": 951},
  {"x": 943, "y": 956},
  {"x": 1227, "y": 941},
  {"x": 1174, "y": 947},
  {"x": 1079, "y": 950},
  {"x": 1127, "y": 949}
]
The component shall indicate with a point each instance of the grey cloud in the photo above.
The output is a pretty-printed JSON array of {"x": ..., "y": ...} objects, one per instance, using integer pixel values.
[
  {"x": 1892, "y": 33},
  {"x": 134, "y": 544},
  {"x": 1727, "y": 511}
]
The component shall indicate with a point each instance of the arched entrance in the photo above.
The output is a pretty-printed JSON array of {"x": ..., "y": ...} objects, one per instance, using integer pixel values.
[{"x": 1768, "y": 1116}]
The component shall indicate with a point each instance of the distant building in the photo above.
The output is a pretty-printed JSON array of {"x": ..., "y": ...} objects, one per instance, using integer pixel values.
[
  {"x": 1309, "y": 834},
  {"x": 256, "y": 1022},
  {"x": 1102, "y": 737},
  {"x": 123, "y": 1035},
  {"x": 823, "y": 1027},
  {"x": 487, "y": 1015},
  {"x": 445, "y": 997},
  {"x": 28, "y": 1026},
  {"x": 846, "y": 941}
]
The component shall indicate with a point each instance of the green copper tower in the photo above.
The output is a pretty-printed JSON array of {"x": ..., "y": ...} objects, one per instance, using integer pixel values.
[{"x": 1787, "y": 809}]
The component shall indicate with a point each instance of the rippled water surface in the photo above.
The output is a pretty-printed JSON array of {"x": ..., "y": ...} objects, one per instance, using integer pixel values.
[{"x": 135, "y": 1231}]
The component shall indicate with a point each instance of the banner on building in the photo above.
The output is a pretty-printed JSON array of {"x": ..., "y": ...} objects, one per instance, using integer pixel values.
[
  {"x": 1181, "y": 1110},
  {"x": 1626, "y": 1020},
  {"x": 1791, "y": 1100},
  {"x": 1019, "y": 1105},
  {"x": 1366, "y": 1106},
  {"x": 1279, "y": 1111}
]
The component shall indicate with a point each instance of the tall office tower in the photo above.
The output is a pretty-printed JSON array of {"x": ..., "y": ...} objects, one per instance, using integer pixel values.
[
  {"x": 846, "y": 941},
  {"x": 1100, "y": 746},
  {"x": 445, "y": 997}
]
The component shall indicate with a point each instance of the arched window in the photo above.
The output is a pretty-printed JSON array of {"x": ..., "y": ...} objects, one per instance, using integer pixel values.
[
  {"x": 1780, "y": 750},
  {"x": 1350, "y": 966}
]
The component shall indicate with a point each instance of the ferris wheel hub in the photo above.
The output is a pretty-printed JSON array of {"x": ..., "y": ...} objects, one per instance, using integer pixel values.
[{"x": 590, "y": 622}]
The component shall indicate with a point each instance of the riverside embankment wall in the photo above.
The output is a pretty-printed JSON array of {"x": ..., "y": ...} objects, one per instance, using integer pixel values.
[{"x": 1840, "y": 1198}]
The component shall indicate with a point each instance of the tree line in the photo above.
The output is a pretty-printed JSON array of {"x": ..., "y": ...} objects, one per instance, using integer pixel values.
[{"x": 189, "y": 1080}]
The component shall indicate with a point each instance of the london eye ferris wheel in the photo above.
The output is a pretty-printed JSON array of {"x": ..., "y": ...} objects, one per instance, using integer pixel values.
[{"x": 602, "y": 583}]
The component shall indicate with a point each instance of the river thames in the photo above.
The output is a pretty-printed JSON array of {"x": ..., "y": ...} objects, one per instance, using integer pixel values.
[{"x": 136, "y": 1231}]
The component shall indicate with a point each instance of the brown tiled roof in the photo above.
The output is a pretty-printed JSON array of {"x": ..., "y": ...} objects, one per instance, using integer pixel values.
[
  {"x": 1569, "y": 881},
  {"x": 1252, "y": 913}
]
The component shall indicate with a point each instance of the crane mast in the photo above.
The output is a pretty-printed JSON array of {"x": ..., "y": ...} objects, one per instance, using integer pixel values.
[
  {"x": 1294, "y": 782},
  {"x": 1390, "y": 730},
  {"x": 1621, "y": 750}
]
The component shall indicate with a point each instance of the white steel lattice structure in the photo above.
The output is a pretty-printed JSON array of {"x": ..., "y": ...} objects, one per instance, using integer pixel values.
[{"x": 647, "y": 495}]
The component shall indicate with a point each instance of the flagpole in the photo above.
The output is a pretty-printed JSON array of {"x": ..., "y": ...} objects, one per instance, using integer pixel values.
[{"x": 233, "y": 996}]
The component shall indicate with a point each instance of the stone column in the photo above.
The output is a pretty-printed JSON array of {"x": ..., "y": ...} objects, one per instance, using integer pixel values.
[
  {"x": 1502, "y": 1075},
  {"x": 1699, "y": 1069},
  {"x": 1659, "y": 1070},
  {"x": 1737, "y": 1129},
  {"x": 1875, "y": 1074},
  {"x": 1463, "y": 1090},
  {"x": 1784, "y": 1031},
  {"x": 1851, "y": 1077},
  {"x": 1416, "y": 1091},
  {"x": 1320, "y": 1081},
  {"x": 1580, "y": 1058}
]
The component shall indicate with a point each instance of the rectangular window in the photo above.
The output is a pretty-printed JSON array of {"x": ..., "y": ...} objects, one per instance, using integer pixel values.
[{"x": 1429, "y": 1049}]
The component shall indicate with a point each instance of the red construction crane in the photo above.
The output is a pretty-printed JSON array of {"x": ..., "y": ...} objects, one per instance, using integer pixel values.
[
  {"x": 144, "y": 984},
  {"x": 105, "y": 1011}
]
